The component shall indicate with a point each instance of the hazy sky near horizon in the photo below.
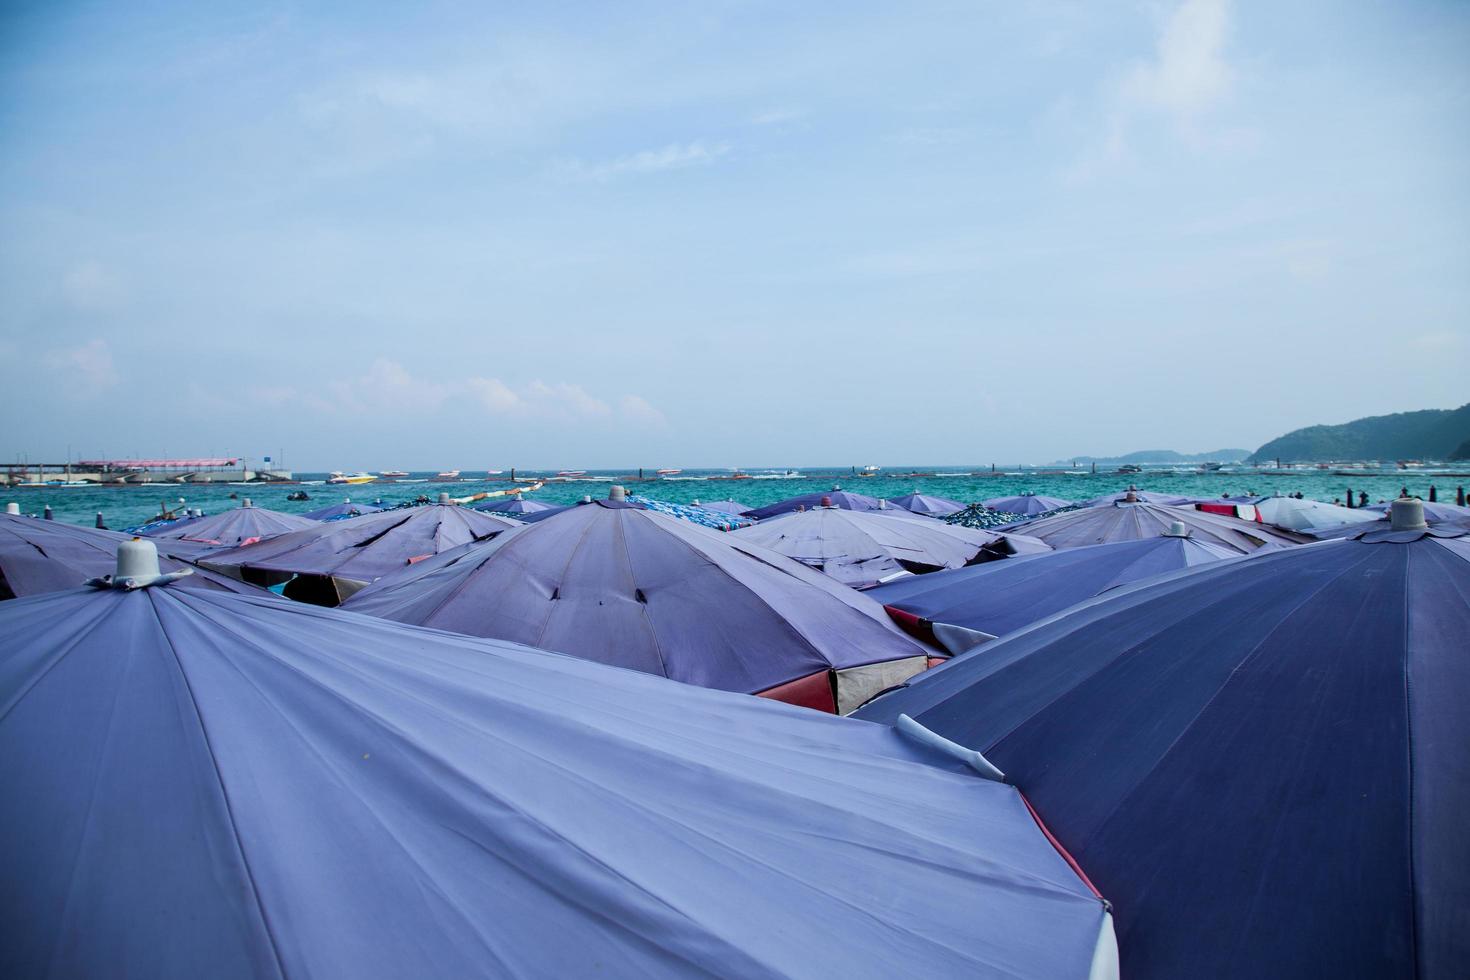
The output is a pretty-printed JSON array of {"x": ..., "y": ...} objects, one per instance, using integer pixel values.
[{"x": 720, "y": 234}]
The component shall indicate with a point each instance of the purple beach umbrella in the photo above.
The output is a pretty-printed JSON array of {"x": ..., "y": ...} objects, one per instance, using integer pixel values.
[
  {"x": 964, "y": 607},
  {"x": 210, "y": 785},
  {"x": 332, "y": 560},
  {"x": 1134, "y": 521},
  {"x": 921, "y": 503},
  {"x": 836, "y": 497},
  {"x": 611, "y": 582},
  {"x": 46, "y": 556},
  {"x": 1027, "y": 504},
  {"x": 1262, "y": 761},
  {"x": 861, "y": 549},
  {"x": 244, "y": 524},
  {"x": 342, "y": 511}
]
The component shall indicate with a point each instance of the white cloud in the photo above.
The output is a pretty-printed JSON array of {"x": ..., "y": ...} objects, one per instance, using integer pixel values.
[
  {"x": 90, "y": 286},
  {"x": 772, "y": 117},
  {"x": 1185, "y": 83},
  {"x": 1188, "y": 73},
  {"x": 388, "y": 386},
  {"x": 675, "y": 156},
  {"x": 635, "y": 408},
  {"x": 91, "y": 363}
]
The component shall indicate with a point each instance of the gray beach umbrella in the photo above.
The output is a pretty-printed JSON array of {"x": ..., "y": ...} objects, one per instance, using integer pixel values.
[{"x": 922, "y": 503}]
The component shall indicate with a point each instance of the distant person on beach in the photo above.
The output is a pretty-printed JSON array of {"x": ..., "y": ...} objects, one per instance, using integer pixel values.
[{"x": 1363, "y": 498}]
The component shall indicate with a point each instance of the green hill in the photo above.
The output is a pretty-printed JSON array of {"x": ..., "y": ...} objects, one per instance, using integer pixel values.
[{"x": 1435, "y": 433}]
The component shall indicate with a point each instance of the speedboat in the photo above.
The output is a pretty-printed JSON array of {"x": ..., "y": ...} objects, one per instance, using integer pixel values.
[
  {"x": 447, "y": 475},
  {"x": 338, "y": 478},
  {"x": 392, "y": 474}
]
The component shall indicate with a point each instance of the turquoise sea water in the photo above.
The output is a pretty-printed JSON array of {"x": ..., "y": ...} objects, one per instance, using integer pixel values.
[{"x": 123, "y": 506}]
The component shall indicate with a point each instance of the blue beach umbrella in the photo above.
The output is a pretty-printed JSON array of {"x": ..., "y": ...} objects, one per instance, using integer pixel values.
[
  {"x": 836, "y": 497},
  {"x": 922, "y": 503},
  {"x": 1263, "y": 762},
  {"x": 202, "y": 785},
  {"x": 1147, "y": 496},
  {"x": 1027, "y": 504},
  {"x": 965, "y": 607},
  {"x": 616, "y": 583},
  {"x": 1434, "y": 512}
]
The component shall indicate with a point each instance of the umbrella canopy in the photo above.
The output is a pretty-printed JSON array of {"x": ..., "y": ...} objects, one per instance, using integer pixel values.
[
  {"x": 724, "y": 506},
  {"x": 715, "y": 519},
  {"x": 230, "y": 528},
  {"x": 836, "y": 497},
  {"x": 1027, "y": 504},
  {"x": 962, "y": 608},
  {"x": 1434, "y": 512},
  {"x": 222, "y": 786},
  {"x": 1304, "y": 515},
  {"x": 1147, "y": 496},
  {"x": 921, "y": 503},
  {"x": 1262, "y": 762},
  {"x": 1134, "y": 521},
  {"x": 621, "y": 585},
  {"x": 340, "y": 557},
  {"x": 860, "y": 549},
  {"x": 515, "y": 505},
  {"x": 45, "y": 556},
  {"x": 342, "y": 511}
]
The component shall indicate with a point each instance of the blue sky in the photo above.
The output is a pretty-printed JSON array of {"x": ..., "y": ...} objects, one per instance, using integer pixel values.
[{"x": 590, "y": 235}]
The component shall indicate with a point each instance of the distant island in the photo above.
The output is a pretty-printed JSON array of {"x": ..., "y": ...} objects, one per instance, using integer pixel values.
[
  {"x": 1435, "y": 433},
  {"x": 1160, "y": 456}
]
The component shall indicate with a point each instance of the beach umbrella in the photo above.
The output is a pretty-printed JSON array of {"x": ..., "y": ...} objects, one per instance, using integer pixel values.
[
  {"x": 39, "y": 556},
  {"x": 715, "y": 519},
  {"x": 1263, "y": 762},
  {"x": 515, "y": 506},
  {"x": 964, "y": 607},
  {"x": 208, "y": 785},
  {"x": 1304, "y": 515},
  {"x": 724, "y": 506},
  {"x": 621, "y": 585},
  {"x": 921, "y": 503},
  {"x": 1133, "y": 521},
  {"x": 1027, "y": 504},
  {"x": 242, "y": 525},
  {"x": 836, "y": 497},
  {"x": 342, "y": 511},
  {"x": 861, "y": 549},
  {"x": 1147, "y": 496},
  {"x": 1434, "y": 513},
  {"x": 326, "y": 563}
]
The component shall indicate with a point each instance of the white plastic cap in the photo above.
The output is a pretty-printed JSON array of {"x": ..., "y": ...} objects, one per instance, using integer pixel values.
[
  {"x": 12, "y": 508},
  {"x": 137, "y": 558},
  {"x": 1130, "y": 497},
  {"x": 617, "y": 492},
  {"x": 1407, "y": 514},
  {"x": 444, "y": 498},
  {"x": 1177, "y": 530},
  {"x": 247, "y": 502}
]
